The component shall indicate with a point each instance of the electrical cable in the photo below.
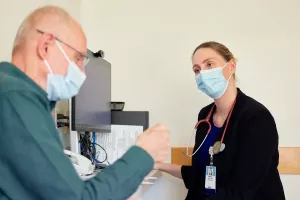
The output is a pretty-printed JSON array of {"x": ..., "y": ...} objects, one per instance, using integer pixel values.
[
  {"x": 96, "y": 154},
  {"x": 104, "y": 152},
  {"x": 88, "y": 149},
  {"x": 85, "y": 145}
]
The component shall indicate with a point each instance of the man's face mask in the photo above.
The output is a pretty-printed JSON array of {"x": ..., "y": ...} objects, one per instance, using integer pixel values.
[{"x": 64, "y": 87}]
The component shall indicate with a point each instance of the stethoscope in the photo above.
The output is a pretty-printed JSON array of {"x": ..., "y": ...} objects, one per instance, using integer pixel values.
[{"x": 219, "y": 146}]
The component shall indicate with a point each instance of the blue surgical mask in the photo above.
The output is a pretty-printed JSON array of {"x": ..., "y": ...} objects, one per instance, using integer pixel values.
[
  {"x": 64, "y": 87},
  {"x": 212, "y": 82}
]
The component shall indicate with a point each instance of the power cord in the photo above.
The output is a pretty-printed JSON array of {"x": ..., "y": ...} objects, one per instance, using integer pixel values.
[
  {"x": 85, "y": 145},
  {"x": 88, "y": 149},
  {"x": 96, "y": 154}
]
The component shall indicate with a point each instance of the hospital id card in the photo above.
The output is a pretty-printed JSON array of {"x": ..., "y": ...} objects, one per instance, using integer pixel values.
[{"x": 210, "y": 178}]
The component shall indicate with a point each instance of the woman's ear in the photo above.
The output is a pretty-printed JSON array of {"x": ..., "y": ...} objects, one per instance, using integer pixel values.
[{"x": 232, "y": 66}]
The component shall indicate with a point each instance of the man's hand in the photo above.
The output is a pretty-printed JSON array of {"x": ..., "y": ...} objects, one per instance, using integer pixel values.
[{"x": 156, "y": 141}]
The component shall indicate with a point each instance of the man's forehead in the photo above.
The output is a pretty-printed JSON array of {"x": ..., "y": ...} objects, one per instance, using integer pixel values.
[
  {"x": 75, "y": 38},
  {"x": 79, "y": 44},
  {"x": 78, "y": 37}
]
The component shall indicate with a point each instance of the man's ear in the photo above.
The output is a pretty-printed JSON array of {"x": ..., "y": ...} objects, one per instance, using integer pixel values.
[{"x": 45, "y": 41}]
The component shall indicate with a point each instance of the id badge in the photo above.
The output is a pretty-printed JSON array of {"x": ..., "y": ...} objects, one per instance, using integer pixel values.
[{"x": 210, "y": 179}]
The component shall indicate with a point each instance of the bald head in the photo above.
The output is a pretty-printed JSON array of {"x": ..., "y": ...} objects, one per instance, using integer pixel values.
[
  {"x": 36, "y": 42},
  {"x": 45, "y": 18},
  {"x": 49, "y": 19}
]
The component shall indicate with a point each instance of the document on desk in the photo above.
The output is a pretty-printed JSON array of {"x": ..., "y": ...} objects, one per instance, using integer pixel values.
[{"x": 116, "y": 143}]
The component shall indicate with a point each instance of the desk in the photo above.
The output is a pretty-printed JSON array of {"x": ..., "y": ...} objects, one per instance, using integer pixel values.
[{"x": 149, "y": 180}]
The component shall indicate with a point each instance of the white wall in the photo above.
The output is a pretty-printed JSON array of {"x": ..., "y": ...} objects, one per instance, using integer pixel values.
[
  {"x": 149, "y": 44},
  {"x": 13, "y": 12}
]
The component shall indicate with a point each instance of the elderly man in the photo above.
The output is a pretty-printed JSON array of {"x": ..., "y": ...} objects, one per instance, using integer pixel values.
[{"x": 49, "y": 57}]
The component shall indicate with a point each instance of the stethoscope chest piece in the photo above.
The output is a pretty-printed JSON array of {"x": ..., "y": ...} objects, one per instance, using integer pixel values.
[
  {"x": 222, "y": 147},
  {"x": 218, "y": 147}
]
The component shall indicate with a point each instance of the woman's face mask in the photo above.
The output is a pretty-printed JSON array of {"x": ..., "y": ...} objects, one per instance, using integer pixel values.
[{"x": 212, "y": 82}]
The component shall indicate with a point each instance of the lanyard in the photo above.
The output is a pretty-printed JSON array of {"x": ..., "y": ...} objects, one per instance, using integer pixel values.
[{"x": 219, "y": 146}]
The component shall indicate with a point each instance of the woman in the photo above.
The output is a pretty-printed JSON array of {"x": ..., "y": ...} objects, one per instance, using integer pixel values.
[{"x": 237, "y": 138}]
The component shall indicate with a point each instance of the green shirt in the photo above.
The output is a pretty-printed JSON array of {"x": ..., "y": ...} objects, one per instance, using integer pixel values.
[{"x": 33, "y": 165}]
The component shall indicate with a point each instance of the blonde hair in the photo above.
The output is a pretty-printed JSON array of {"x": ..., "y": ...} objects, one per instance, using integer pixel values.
[{"x": 221, "y": 49}]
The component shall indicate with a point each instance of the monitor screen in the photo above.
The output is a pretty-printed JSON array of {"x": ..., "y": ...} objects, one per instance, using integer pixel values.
[{"x": 90, "y": 109}]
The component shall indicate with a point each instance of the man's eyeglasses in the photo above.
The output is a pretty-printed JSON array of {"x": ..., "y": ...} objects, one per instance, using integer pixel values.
[{"x": 81, "y": 58}]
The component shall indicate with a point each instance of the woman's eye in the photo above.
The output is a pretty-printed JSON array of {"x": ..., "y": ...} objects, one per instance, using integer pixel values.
[{"x": 209, "y": 64}]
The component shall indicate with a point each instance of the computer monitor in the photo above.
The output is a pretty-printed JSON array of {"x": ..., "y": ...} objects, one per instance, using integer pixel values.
[{"x": 90, "y": 109}]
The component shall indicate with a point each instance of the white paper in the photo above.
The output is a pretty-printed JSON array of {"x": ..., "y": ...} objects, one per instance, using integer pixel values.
[{"x": 116, "y": 143}]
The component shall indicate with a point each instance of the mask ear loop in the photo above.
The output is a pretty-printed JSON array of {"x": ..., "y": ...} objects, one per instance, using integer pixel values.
[
  {"x": 225, "y": 65},
  {"x": 48, "y": 66},
  {"x": 229, "y": 77},
  {"x": 62, "y": 51},
  {"x": 230, "y": 74}
]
